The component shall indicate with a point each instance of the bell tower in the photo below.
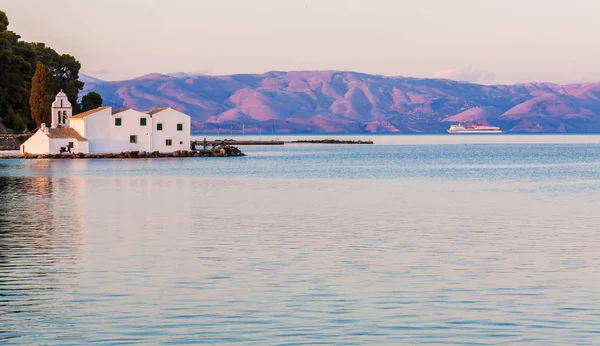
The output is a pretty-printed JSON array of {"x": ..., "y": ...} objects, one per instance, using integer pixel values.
[{"x": 61, "y": 110}]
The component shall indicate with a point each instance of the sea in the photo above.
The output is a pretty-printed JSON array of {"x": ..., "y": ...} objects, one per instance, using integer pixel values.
[{"x": 416, "y": 239}]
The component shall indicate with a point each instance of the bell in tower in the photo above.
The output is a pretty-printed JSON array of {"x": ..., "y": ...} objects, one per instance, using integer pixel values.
[{"x": 61, "y": 110}]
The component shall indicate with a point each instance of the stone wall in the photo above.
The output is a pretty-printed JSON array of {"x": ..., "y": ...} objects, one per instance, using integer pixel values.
[{"x": 10, "y": 143}]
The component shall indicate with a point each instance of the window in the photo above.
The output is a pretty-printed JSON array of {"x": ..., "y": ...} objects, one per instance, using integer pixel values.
[
  {"x": 158, "y": 127},
  {"x": 142, "y": 121},
  {"x": 179, "y": 127},
  {"x": 169, "y": 142},
  {"x": 133, "y": 139},
  {"x": 117, "y": 121}
]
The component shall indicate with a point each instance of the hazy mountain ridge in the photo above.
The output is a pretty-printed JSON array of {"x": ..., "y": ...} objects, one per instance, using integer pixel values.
[{"x": 331, "y": 101}]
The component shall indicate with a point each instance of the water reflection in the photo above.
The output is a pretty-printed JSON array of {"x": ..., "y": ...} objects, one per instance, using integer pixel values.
[
  {"x": 209, "y": 251},
  {"x": 40, "y": 236}
]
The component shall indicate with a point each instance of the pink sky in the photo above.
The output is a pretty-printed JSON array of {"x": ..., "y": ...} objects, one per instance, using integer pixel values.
[{"x": 486, "y": 41}]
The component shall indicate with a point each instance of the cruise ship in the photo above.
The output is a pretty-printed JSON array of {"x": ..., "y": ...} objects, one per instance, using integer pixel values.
[{"x": 477, "y": 128}]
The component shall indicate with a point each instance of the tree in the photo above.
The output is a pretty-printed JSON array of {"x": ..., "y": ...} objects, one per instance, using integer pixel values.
[
  {"x": 64, "y": 70},
  {"x": 18, "y": 60},
  {"x": 90, "y": 101},
  {"x": 3, "y": 21},
  {"x": 40, "y": 99},
  {"x": 15, "y": 75},
  {"x": 13, "y": 121}
]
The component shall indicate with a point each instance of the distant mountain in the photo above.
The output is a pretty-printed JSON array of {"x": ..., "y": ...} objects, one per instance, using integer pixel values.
[
  {"x": 89, "y": 79},
  {"x": 336, "y": 102}
]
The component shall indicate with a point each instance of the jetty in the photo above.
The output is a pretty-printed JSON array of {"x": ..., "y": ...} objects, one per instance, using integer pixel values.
[
  {"x": 331, "y": 141},
  {"x": 212, "y": 143},
  {"x": 206, "y": 143}
]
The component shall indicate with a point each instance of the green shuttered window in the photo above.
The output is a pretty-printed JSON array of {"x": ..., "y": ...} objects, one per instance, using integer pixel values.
[
  {"x": 117, "y": 121},
  {"x": 142, "y": 121},
  {"x": 158, "y": 127},
  {"x": 179, "y": 127}
]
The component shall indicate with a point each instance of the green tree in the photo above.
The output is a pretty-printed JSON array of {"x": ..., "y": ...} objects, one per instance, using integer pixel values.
[
  {"x": 13, "y": 121},
  {"x": 40, "y": 99},
  {"x": 3, "y": 21},
  {"x": 64, "y": 70},
  {"x": 15, "y": 74},
  {"x": 18, "y": 60},
  {"x": 90, "y": 101}
]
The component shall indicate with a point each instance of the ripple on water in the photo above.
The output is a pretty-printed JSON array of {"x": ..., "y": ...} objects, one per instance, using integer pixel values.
[{"x": 407, "y": 245}]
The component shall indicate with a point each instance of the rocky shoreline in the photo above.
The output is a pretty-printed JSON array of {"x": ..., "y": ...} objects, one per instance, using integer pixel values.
[{"x": 225, "y": 151}]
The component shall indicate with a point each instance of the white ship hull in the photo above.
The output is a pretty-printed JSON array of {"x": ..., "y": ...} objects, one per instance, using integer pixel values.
[
  {"x": 475, "y": 131},
  {"x": 479, "y": 128}
]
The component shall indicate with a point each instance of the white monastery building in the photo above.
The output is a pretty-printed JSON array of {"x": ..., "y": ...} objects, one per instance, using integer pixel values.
[{"x": 104, "y": 130}]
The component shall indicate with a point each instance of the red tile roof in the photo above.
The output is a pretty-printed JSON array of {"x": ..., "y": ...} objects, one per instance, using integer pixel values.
[
  {"x": 120, "y": 110},
  {"x": 157, "y": 110},
  {"x": 65, "y": 132},
  {"x": 90, "y": 112}
]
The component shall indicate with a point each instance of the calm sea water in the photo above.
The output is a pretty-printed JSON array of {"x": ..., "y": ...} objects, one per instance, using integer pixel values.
[{"x": 470, "y": 240}]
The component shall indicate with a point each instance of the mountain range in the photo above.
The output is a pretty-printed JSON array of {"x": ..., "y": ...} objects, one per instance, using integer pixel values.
[{"x": 339, "y": 102}]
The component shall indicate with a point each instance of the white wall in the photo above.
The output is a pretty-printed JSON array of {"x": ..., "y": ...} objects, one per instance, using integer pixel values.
[
  {"x": 78, "y": 125},
  {"x": 105, "y": 137},
  {"x": 170, "y": 118},
  {"x": 81, "y": 147},
  {"x": 96, "y": 130},
  {"x": 57, "y": 143},
  {"x": 130, "y": 125},
  {"x": 39, "y": 143}
]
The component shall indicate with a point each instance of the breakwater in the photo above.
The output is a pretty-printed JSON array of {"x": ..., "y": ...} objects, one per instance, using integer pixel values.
[
  {"x": 331, "y": 141},
  {"x": 211, "y": 143},
  {"x": 225, "y": 151},
  {"x": 206, "y": 143}
]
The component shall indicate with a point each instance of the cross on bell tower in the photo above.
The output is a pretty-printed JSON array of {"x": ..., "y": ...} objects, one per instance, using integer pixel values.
[{"x": 61, "y": 110}]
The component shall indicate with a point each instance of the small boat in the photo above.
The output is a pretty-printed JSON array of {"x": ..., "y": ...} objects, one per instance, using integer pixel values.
[{"x": 477, "y": 128}]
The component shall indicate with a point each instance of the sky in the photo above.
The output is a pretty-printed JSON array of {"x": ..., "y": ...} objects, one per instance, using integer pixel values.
[{"x": 482, "y": 41}]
